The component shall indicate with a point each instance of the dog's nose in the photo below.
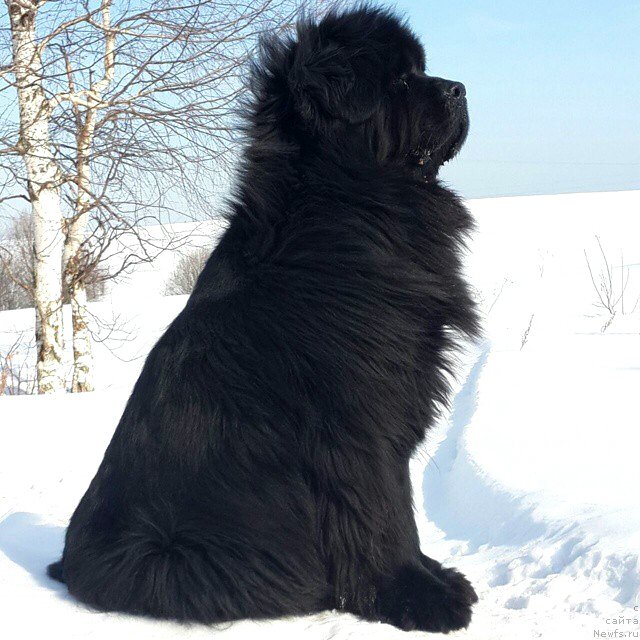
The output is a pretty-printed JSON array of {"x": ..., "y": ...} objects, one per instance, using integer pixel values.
[{"x": 455, "y": 90}]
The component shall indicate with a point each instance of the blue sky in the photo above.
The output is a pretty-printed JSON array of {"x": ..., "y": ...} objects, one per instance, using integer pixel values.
[{"x": 554, "y": 91}]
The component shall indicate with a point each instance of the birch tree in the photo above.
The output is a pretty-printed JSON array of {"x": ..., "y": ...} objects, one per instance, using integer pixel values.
[
  {"x": 43, "y": 183},
  {"x": 134, "y": 105},
  {"x": 77, "y": 224}
]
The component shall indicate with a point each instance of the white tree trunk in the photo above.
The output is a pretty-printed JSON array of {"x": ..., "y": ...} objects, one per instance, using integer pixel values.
[
  {"x": 76, "y": 229},
  {"x": 44, "y": 192},
  {"x": 74, "y": 271},
  {"x": 82, "y": 354}
]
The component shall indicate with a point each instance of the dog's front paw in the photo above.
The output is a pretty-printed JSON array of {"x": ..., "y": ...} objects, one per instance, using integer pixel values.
[
  {"x": 428, "y": 600},
  {"x": 456, "y": 580}
]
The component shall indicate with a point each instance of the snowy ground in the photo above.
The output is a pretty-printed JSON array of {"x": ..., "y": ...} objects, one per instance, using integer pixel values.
[{"x": 530, "y": 485}]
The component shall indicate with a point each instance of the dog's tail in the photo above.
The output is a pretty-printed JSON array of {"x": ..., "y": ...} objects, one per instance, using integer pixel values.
[
  {"x": 191, "y": 572},
  {"x": 55, "y": 571}
]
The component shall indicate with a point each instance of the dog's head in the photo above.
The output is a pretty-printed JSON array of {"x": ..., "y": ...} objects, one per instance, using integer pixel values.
[{"x": 363, "y": 73}]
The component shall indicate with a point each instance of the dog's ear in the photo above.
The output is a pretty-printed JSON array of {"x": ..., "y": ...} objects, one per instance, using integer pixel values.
[{"x": 327, "y": 80}]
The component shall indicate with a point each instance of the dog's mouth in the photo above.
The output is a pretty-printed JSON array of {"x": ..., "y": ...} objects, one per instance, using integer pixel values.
[
  {"x": 457, "y": 140},
  {"x": 429, "y": 158}
]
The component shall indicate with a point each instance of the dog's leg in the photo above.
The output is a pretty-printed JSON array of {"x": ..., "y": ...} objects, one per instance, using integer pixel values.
[
  {"x": 381, "y": 573},
  {"x": 420, "y": 593}
]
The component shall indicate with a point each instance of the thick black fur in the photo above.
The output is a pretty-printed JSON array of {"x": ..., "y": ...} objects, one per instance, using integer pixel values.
[{"x": 260, "y": 467}]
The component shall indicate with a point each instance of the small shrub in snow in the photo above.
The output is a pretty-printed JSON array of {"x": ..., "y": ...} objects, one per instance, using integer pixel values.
[
  {"x": 17, "y": 375},
  {"x": 609, "y": 287}
]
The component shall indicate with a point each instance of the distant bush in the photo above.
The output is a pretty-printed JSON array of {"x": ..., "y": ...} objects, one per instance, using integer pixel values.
[
  {"x": 16, "y": 264},
  {"x": 186, "y": 272}
]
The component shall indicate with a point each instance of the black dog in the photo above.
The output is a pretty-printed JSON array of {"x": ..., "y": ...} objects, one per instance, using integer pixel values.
[{"x": 260, "y": 468}]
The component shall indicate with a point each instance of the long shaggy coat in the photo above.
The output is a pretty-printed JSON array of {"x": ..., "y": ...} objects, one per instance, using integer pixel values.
[{"x": 261, "y": 466}]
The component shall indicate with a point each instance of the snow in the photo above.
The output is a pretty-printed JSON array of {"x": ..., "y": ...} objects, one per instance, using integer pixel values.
[{"x": 529, "y": 484}]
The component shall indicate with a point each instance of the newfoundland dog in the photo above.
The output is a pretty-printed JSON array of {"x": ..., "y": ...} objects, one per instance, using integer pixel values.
[{"x": 261, "y": 466}]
